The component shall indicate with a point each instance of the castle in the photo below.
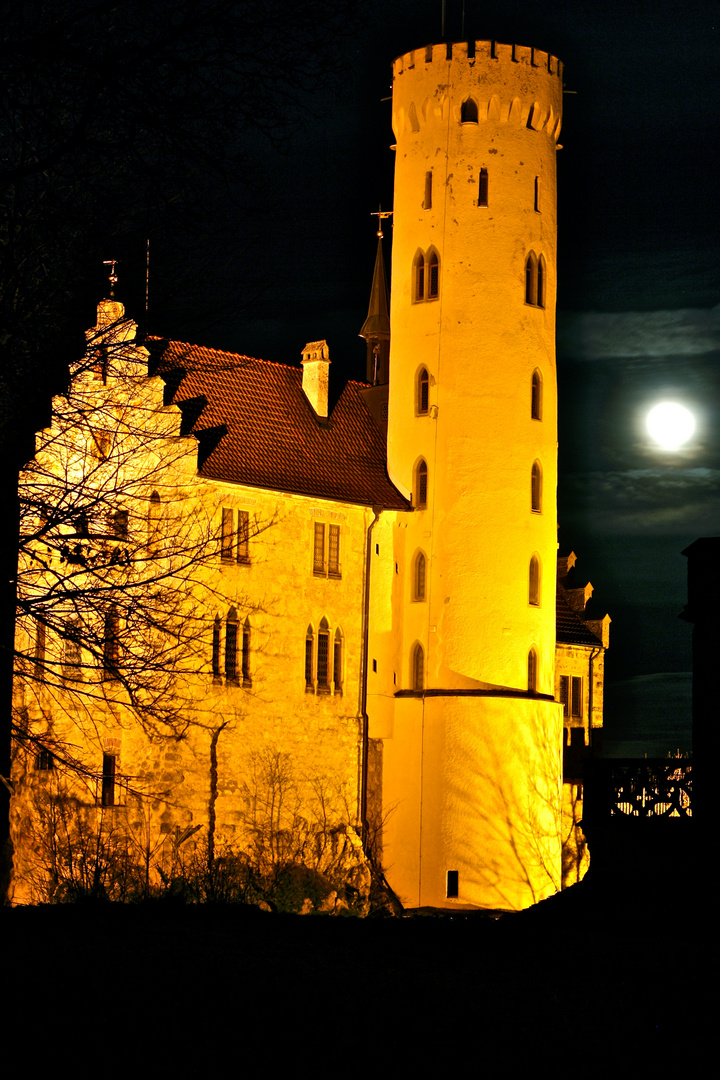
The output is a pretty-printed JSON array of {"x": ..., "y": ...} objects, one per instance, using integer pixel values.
[{"x": 253, "y": 629}]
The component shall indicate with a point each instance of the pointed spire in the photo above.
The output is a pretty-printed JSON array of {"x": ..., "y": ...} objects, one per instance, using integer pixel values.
[{"x": 376, "y": 328}]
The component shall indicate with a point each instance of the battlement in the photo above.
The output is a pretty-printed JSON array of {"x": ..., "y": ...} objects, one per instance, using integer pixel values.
[{"x": 479, "y": 51}]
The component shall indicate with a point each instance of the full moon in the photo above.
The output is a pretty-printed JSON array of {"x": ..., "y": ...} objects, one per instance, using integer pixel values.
[{"x": 670, "y": 424}]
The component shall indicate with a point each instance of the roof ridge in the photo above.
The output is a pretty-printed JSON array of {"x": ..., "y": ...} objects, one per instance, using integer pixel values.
[{"x": 224, "y": 352}]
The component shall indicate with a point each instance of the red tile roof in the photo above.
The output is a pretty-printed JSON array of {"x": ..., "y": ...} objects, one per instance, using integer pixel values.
[{"x": 272, "y": 437}]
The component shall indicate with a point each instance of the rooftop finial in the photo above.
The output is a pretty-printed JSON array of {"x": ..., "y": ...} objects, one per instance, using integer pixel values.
[
  {"x": 112, "y": 263},
  {"x": 380, "y": 214}
]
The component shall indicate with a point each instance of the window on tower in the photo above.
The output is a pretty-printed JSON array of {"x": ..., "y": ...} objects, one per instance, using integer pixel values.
[
  {"x": 535, "y": 280},
  {"x": 426, "y": 276},
  {"x": 532, "y": 671},
  {"x": 421, "y": 485},
  {"x": 469, "y": 111},
  {"x": 419, "y": 576},
  {"x": 536, "y": 396},
  {"x": 483, "y": 188},
  {"x": 534, "y": 582},
  {"x": 423, "y": 392},
  {"x": 427, "y": 201},
  {"x": 418, "y": 667},
  {"x": 536, "y": 487}
]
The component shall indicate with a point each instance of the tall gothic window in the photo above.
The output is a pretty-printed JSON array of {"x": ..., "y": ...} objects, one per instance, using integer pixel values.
[
  {"x": 323, "y": 657},
  {"x": 338, "y": 661},
  {"x": 536, "y": 401},
  {"x": 532, "y": 671},
  {"x": 418, "y": 667},
  {"x": 246, "y": 678},
  {"x": 309, "y": 650},
  {"x": 419, "y": 576},
  {"x": 536, "y": 487},
  {"x": 421, "y": 485},
  {"x": 534, "y": 582},
  {"x": 217, "y": 631},
  {"x": 423, "y": 392},
  {"x": 111, "y": 644},
  {"x": 469, "y": 112}
]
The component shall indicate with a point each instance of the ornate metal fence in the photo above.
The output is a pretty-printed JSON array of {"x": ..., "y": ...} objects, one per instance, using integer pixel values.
[{"x": 641, "y": 788}]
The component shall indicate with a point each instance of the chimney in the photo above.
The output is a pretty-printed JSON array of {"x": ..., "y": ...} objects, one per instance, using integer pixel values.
[{"x": 316, "y": 375}]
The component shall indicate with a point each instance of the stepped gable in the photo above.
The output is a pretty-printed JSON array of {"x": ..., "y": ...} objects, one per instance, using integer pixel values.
[{"x": 267, "y": 434}]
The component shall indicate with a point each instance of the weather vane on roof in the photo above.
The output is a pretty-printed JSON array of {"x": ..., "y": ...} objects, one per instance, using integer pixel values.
[
  {"x": 380, "y": 214},
  {"x": 112, "y": 263}
]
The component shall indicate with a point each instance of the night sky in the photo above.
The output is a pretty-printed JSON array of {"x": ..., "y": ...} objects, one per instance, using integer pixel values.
[{"x": 638, "y": 314}]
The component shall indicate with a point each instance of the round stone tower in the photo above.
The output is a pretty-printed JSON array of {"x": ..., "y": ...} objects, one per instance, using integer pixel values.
[
  {"x": 472, "y": 408},
  {"x": 473, "y": 757}
]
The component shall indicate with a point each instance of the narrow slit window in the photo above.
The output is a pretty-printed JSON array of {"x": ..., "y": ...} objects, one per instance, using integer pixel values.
[
  {"x": 538, "y": 207},
  {"x": 309, "y": 649},
  {"x": 534, "y": 582},
  {"x": 109, "y": 763},
  {"x": 536, "y": 488},
  {"x": 452, "y": 885},
  {"x": 483, "y": 188},
  {"x": 541, "y": 276},
  {"x": 420, "y": 575},
  {"x": 427, "y": 201},
  {"x": 111, "y": 644},
  {"x": 154, "y": 517},
  {"x": 536, "y": 396}
]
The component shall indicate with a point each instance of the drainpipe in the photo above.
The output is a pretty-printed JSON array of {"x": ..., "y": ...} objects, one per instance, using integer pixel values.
[
  {"x": 377, "y": 510},
  {"x": 595, "y": 653}
]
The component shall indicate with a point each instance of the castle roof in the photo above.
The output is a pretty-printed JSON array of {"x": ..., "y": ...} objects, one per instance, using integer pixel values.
[
  {"x": 256, "y": 427},
  {"x": 570, "y": 628}
]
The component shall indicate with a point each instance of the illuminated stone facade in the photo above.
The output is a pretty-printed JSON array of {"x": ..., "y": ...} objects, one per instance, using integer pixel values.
[{"x": 364, "y": 644}]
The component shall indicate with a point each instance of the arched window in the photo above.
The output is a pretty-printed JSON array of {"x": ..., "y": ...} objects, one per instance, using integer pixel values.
[
  {"x": 418, "y": 667},
  {"x": 426, "y": 276},
  {"x": 423, "y": 392},
  {"x": 469, "y": 112},
  {"x": 433, "y": 272},
  {"x": 338, "y": 661},
  {"x": 540, "y": 296},
  {"x": 309, "y": 649},
  {"x": 532, "y": 671},
  {"x": 217, "y": 629},
  {"x": 536, "y": 487},
  {"x": 419, "y": 576},
  {"x": 534, "y": 582},
  {"x": 536, "y": 396},
  {"x": 111, "y": 644},
  {"x": 246, "y": 679},
  {"x": 483, "y": 188},
  {"x": 421, "y": 485},
  {"x": 419, "y": 276},
  {"x": 531, "y": 279},
  {"x": 231, "y": 645},
  {"x": 323, "y": 657}
]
